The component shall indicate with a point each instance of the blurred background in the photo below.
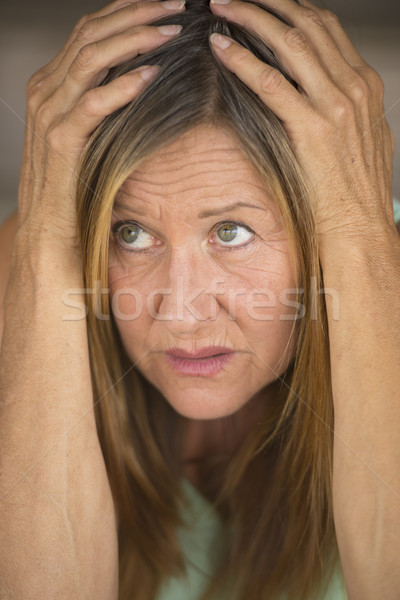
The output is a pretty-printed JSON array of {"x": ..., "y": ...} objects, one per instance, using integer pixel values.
[{"x": 31, "y": 33}]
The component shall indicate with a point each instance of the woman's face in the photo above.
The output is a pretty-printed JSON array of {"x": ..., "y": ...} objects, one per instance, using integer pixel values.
[{"x": 201, "y": 259}]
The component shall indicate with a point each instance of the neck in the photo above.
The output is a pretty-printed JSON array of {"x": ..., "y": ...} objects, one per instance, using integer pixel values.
[{"x": 206, "y": 439}]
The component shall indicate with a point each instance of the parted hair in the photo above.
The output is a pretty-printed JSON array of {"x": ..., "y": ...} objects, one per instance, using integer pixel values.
[{"x": 274, "y": 494}]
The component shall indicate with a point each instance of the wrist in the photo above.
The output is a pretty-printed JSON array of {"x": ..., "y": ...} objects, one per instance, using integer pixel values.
[
  {"x": 40, "y": 275},
  {"x": 47, "y": 247},
  {"x": 345, "y": 250},
  {"x": 40, "y": 285}
]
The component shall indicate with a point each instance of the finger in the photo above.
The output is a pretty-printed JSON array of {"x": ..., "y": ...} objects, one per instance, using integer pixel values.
[
  {"x": 309, "y": 20},
  {"x": 288, "y": 43},
  {"x": 338, "y": 34},
  {"x": 139, "y": 13},
  {"x": 94, "y": 60},
  {"x": 268, "y": 83},
  {"x": 314, "y": 23},
  {"x": 94, "y": 27},
  {"x": 98, "y": 28},
  {"x": 52, "y": 65},
  {"x": 71, "y": 132}
]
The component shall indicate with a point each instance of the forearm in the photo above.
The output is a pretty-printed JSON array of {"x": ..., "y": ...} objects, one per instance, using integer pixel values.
[
  {"x": 58, "y": 531},
  {"x": 365, "y": 365}
]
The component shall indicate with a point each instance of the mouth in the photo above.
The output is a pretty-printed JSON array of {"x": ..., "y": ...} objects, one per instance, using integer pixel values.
[
  {"x": 203, "y": 363},
  {"x": 206, "y": 352}
]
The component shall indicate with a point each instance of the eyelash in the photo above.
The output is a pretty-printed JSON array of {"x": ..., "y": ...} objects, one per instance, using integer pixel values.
[
  {"x": 219, "y": 248},
  {"x": 119, "y": 225}
]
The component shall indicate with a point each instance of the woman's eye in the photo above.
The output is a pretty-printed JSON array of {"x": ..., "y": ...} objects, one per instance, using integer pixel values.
[
  {"x": 233, "y": 234},
  {"x": 134, "y": 237}
]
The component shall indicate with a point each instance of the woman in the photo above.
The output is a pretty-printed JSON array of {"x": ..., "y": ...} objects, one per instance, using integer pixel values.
[{"x": 190, "y": 210}]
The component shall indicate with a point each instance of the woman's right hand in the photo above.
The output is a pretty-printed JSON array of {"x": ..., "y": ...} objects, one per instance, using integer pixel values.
[{"x": 65, "y": 105}]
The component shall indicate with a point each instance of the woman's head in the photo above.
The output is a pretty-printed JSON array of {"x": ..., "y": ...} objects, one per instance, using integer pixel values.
[
  {"x": 197, "y": 139},
  {"x": 198, "y": 273}
]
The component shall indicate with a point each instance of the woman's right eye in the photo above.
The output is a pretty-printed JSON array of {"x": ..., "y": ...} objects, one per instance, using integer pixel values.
[{"x": 132, "y": 237}]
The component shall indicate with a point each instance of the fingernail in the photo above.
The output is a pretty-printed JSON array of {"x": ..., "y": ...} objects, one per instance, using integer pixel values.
[
  {"x": 220, "y": 1},
  {"x": 169, "y": 29},
  {"x": 174, "y": 4},
  {"x": 220, "y": 40},
  {"x": 147, "y": 72}
]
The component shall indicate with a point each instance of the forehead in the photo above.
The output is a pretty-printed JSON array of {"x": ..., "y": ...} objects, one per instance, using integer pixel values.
[
  {"x": 201, "y": 144},
  {"x": 205, "y": 165}
]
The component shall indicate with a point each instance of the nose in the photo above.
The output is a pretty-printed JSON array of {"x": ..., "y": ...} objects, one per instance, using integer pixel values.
[{"x": 189, "y": 300}]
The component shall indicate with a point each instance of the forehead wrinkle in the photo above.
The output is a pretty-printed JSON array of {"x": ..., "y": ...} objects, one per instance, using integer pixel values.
[
  {"x": 192, "y": 197},
  {"x": 145, "y": 186},
  {"x": 192, "y": 158},
  {"x": 233, "y": 189},
  {"x": 143, "y": 176}
]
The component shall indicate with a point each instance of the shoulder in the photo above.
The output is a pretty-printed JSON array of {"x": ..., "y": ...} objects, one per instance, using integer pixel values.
[{"x": 7, "y": 235}]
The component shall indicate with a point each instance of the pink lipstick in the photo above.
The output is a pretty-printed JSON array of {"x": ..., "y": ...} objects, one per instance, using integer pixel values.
[{"x": 204, "y": 363}]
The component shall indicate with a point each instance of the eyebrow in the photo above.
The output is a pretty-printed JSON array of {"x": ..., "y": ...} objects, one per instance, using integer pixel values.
[
  {"x": 219, "y": 211},
  {"x": 202, "y": 215},
  {"x": 136, "y": 209}
]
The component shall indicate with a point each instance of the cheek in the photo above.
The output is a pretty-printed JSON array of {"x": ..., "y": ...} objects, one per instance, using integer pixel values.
[
  {"x": 265, "y": 283},
  {"x": 129, "y": 282},
  {"x": 129, "y": 289},
  {"x": 265, "y": 302}
]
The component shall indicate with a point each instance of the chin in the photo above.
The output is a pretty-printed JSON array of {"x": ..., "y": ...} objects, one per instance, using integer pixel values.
[{"x": 198, "y": 404}]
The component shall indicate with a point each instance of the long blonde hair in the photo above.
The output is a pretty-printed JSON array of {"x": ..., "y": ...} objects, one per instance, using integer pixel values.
[{"x": 276, "y": 489}]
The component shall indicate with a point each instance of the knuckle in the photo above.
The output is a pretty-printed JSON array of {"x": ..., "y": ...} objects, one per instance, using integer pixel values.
[
  {"x": 32, "y": 81},
  {"x": 329, "y": 17},
  {"x": 86, "y": 57},
  {"x": 91, "y": 102},
  {"x": 33, "y": 88},
  {"x": 373, "y": 81},
  {"x": 342, "y": 109},
  {"x": 54, "y": 138},
  {"x": 295, "y": 39},
  {"x": 81, "y": 22},
  {"x": 377, "y": 82},
  {"x": 44, "y": 116},
  {"x": 359, "y": 89},
  {"x": 89, "y": 29},
  {"x": 270, "y": 80},
  {"x": 312, "y": 18}
]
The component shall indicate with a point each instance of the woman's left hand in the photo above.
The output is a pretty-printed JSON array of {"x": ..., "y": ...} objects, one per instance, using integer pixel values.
[{"x": 335, "y": 120}]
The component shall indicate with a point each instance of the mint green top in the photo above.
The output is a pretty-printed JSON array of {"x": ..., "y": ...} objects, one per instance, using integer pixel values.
[
  {"x": 199, "y": 543},
  {"x": 200, "y": 540}
]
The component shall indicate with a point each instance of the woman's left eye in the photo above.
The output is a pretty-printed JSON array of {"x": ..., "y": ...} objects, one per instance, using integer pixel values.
[
  {"x": 233, "y": 234},
  {"x": 133, "y": 237}
]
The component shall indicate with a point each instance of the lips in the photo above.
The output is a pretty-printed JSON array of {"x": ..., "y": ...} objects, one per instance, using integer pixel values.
[
  {"x": 205, "y": 352},
  {"x": 206, "y": 362}
]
